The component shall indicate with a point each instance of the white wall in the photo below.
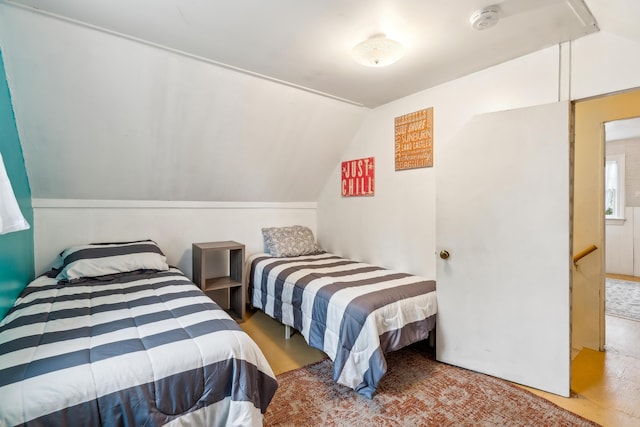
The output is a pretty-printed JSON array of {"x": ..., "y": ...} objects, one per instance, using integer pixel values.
[
  {"x": 396, "y": 227},
  {"x": 603, "y": 63},
  {"x": 623, "y": 244},
  {"x": 173, "y": 225},
  {"x": 619, "y": 243}
]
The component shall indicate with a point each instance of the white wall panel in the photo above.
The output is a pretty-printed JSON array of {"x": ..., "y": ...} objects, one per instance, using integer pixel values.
[
  {"x": 603, "y": 63},
  {"x": 619, "y": 244},
  {"x": 174, "y": 225}
]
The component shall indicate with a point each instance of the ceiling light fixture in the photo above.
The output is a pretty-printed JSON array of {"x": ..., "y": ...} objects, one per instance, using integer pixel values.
[
  {"x": 485, "y": 18},
  {"x": 377, "y": 51}
]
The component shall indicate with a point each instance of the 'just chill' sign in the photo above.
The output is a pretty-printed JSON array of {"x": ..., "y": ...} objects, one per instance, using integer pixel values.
[{"x": 358, "y": 177}]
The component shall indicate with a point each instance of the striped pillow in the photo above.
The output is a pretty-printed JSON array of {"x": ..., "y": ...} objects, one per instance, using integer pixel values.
[{"x": 100, "y": 259}]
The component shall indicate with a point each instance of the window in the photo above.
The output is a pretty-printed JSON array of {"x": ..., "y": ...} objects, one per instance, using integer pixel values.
[{"x": 614, "y": 187}]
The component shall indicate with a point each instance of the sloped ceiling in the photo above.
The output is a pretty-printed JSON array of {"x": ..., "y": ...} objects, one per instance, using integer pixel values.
[
  {"x": 173, "y": 100},
  {"x": 104, "y": 117},
  {"x": 309, "y": 43}
]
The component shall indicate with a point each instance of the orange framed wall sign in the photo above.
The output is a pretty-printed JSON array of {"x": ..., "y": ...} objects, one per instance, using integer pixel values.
[
  {"x": 358, "y": 177},
  {"x": 414, "y": 140}
]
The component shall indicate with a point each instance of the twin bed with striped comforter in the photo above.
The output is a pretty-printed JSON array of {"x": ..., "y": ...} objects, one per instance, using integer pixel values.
[
  {"x": 141, "y": 347},
  {"x": 352, "y": 311}
]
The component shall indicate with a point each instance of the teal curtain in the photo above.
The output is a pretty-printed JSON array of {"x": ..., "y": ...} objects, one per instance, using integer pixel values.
[{"x": 16, "y": 249}]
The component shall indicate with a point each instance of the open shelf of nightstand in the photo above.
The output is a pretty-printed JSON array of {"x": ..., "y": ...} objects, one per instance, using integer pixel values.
[
  {"x": 215, "y": 283},
  {"x": 232, "y": 296}
]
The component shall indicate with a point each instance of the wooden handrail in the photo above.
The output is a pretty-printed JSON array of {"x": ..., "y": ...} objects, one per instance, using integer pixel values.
[{"x": 577, "y": 257}]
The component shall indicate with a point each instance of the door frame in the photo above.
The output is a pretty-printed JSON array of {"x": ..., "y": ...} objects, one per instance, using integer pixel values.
[{"x": 588, "y": 283}]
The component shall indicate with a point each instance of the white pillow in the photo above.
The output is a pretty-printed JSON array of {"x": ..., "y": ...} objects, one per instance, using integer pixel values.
[
  {"x": 100, "y": 259},
  {"x": 289, "y": 241}
]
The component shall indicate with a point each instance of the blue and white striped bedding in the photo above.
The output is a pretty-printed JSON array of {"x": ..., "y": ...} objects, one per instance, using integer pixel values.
[
  {"x": 352, "y": 311},
  {"x": 138, "y": 349}
]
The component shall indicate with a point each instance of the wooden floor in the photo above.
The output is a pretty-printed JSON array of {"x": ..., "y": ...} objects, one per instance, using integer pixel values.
[
  {"x": 605, "y": 385},
  {"x": 283, "y": 355}
]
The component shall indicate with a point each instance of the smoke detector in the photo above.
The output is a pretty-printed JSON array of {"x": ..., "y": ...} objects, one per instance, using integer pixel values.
[{"x": 485, "y": 18}]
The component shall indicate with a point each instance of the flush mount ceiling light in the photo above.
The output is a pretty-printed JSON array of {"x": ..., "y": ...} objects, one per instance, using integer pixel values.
[
  {"x": 377, "y": 51},
  {"x": 485, "y": 18}
]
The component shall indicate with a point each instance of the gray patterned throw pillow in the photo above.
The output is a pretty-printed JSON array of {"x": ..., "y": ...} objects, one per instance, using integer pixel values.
[{"x": 289, "y": 241}]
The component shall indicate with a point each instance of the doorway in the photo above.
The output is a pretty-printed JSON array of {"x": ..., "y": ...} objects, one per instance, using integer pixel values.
[
  {"x": 589, "y": 322},
  {"x": 622, "y": 236}
]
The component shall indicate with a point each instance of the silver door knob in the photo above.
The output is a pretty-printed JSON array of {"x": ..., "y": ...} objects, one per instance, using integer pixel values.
[{"x": 444, "y": 254}]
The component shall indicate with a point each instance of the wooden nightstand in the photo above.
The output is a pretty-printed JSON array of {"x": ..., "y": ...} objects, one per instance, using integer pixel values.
[{"x": 228, "y": 291}]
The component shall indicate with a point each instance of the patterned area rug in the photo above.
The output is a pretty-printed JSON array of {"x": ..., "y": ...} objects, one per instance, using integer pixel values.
[
  {"x": 623, "y": 299},
  {"x": 417, "y": 391}
]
